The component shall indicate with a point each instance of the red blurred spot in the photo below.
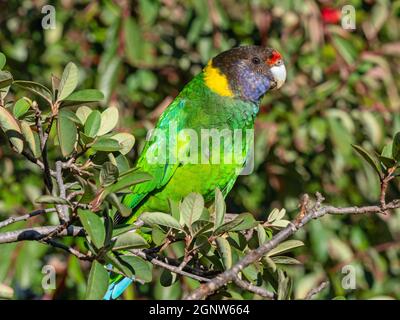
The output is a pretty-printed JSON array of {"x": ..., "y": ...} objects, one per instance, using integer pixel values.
[
  {"x": 330, "y": 15},
  {"x": 275, "y": 56}
]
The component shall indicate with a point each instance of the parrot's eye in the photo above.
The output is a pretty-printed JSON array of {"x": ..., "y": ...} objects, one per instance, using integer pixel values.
[{"x": 256, "y": 60}]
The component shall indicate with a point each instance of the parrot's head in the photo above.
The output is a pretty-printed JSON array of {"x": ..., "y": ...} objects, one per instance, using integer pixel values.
[{"x": 246, "y": 72}]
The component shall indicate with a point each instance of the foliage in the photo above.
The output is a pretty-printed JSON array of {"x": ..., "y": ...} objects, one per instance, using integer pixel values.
[{"x": 342, "y": 90}]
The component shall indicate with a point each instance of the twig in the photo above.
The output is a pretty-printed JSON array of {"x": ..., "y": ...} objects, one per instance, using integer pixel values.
[
  {"x": 39, "y": 233},
  {"x": 167, "y": 266},
  {"x": 384, "y": 185},
  {"x": 252, "y": 288},
  {"x": 316, "y": 290},
  {"x": 73, "y": 251},
  {"x": 25, "y": 216},
  {"x": 62, "y": 209}
]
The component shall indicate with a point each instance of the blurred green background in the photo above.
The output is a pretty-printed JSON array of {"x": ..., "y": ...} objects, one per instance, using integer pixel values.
[{"x": 342, "y": 89}]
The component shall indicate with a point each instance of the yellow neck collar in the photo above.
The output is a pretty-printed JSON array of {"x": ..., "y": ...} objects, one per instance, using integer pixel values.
[{"x": 216, "y": 81}]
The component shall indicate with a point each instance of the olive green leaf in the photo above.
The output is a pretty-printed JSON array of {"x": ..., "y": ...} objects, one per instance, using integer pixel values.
[
  {"x": 191, "y": 208},
  {"x": 69, "y": 81},
  {"x": 285, "y": 246},
  {"x": 109, "y": 120},
  {"x": 83, "y": 113},
  {"x": 35, "y": 88},
  {"x": 125, "y": 140},
  {"x": 225, "y": 251},
  {"x": 2, "y": 60},
  {"x": 97, "y": 283},
  {"x": 94, "y": 226},
  {"x": 21, "y": 107},
  {"x": 130, "y": 240},
  {"x": 160, "y": 218},
  {"x": 12, "y": 129},
  {"x": 396, "y": 147},
  {"x": 92, "y": 124},
  {"x": 67, "y": 132},
  {"x": 372, "y": 162}
]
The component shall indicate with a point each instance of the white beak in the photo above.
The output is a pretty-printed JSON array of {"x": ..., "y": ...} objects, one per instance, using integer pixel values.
[{"x": 279, "y": 73}]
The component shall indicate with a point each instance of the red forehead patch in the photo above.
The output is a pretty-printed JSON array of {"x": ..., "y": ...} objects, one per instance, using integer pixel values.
[{"x": 275, "y": 56}]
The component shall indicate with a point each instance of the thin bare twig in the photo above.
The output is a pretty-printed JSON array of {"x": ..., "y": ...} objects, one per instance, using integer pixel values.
[
  {"x": 252, "y": 288},
  {"x": 39, "y": 233},
  {"x": 316, "y": 290},
  {"x": 153, "y": 259},
  {"x": 71, "y": 250},
  {"x": 25, "y": 216},
  {"x": 62, "y": 209}
]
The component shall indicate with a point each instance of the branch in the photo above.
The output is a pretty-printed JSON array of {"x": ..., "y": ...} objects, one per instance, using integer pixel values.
[
  {"x": 24, "y": 217},
  {"x": 153, "y": 259},
  {"x": 315, "y": 212},
  {"x": 62, "y": 210},
  {"x": 251, "y": 287},
  {"x": 71, "y": 250},
  {"x": 38, "y": 233},
  {"x": 316, "y": 290}
]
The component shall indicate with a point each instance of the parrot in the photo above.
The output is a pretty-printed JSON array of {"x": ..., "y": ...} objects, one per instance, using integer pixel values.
[{"x": 225, "y": 95}]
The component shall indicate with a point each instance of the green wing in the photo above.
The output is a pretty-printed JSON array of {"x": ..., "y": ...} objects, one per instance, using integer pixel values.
[{"x": 163, "y": 170}]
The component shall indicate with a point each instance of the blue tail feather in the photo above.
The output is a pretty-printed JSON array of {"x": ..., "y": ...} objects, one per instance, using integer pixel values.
[{"x": 117, "y": 287}]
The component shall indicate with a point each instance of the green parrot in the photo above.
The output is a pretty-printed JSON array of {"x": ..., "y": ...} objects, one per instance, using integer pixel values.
[{"x": 181, "y": 155}]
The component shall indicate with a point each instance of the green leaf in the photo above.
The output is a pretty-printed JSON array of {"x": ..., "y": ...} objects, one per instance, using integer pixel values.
[
  {"x": 371, "y": 161},
  {"x": 158, "y": 235},
  {"x": 396, "y": 147},
  {"x": 125, "y": 140},
  {"x": 6, "y": 79},
  {"x": 388, "y": 162},
  {"x": 140, "y": 268},
  {"x": 160, "y": 218},
  {"x": 31, "y": 138},
  {"x": 345, "y": 49},
  {"x": 285, "y": 260},
  {"x": 21, "y": 107},
  {"x": 121, "y": 229},
  {"x": 92, "y": 124},
  {"x": 47, "y": 199},
  {"x": 35, "y": 88},
  {"x": 109, "y": 120},
  {"x": 276, "y": 214},
  {"x": 219, "y": 209},
  {"x": 225, "y": 251},
  {"x": 83, "y": 113},
  {"x": 87, "y": 95},
  {"x": 129, "y": 180},
  {"x": 174, "y": 208},
  {"x": 106, "y": 144},
  {"x": 69, "y": 81},
  {"x": 191, "y": 208},
  {"x": 247, "y": 222},
  {"x": 130, "y": 240},
  {"x": 67, "y": 132},
  {"x": 285, "y": 246},
  {"x": 94, "y": 227},
  {"x": 228, "y": 226},
  {"x": 2, "y": 60},
  {"x": 200, "y": 226},
  {"x": 12, "y": 129},
  {"x": 280, "y": 223},
  {"x": 108, "y": 174},
  {"x": 262, "y": 236},
  {"x": 98, "y": 282}
]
